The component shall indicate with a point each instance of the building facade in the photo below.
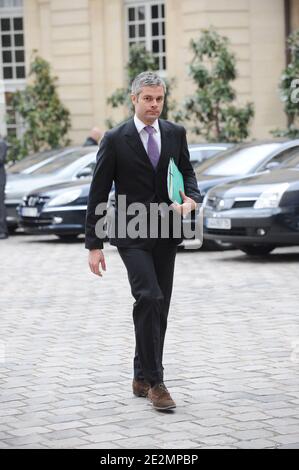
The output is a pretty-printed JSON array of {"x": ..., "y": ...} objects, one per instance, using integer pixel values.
[{"x": 87, "y": 43}]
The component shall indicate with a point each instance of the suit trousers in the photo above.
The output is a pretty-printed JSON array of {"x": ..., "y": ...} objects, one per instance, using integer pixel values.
[{"x": 150, "y": 273}]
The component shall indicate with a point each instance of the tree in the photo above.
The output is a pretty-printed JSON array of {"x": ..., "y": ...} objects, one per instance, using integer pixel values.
[
  {"x": 289, "y": 93},
  {"x": 211, "y": 110},
  {"x": 140, "y": 60},
  {"x": 46, "y": 120}
]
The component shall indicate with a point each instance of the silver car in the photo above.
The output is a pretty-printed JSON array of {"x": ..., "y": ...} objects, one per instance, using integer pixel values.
[{"x": 69, "y": 165}]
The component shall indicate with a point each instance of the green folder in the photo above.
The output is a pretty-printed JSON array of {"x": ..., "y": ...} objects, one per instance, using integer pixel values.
[{"x": 175, "y": 182}]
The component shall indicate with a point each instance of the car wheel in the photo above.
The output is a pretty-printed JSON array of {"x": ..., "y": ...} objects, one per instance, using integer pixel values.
[
  {"x": 69, "y": 237},
  {"x": 257, "y": 250}
]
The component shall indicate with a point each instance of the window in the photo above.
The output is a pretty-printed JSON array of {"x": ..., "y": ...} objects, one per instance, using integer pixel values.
[
  {"x": 59, "y": 164},
  {"x": 13, "y": 120},
  {"x": 12, "y": 47},
  {"x": 292, "y": 162},
  {"x": 236, "y": 161},
  {"x": 24, "y": 165},
  {"x": 146, "y": 26},
  {"x": 200, "y": 154},
  {"x": 281, "y": 157},
  {"x": 12, "y": 61}
]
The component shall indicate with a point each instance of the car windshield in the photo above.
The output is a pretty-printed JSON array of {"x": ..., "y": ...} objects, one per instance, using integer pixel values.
[
  {"x": 60, "y": 163},
  {"x": 197, "y": 155},
  {"x": 236, "y": 161},
  {"x": 292, "y": 162},
  {"x": 31, "y": 160}
]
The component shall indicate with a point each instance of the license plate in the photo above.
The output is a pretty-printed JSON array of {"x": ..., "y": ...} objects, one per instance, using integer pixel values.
[
  {"x": 214, "y": 222},
  {"x": 29, "y": 211}
]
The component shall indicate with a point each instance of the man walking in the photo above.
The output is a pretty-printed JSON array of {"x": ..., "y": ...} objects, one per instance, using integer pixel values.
[
  {"x": 135, "y": 155},
  {"x": 3, "y": 225}
]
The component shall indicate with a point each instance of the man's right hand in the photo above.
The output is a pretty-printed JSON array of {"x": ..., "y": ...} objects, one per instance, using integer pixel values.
[{"x": 95, "y": 258}]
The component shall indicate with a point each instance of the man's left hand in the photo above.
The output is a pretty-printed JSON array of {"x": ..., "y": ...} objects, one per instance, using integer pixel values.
[{"x": 187, "y": 205}]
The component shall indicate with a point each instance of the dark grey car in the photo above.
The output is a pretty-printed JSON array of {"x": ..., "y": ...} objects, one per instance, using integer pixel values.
[
  {"x": 240, "y": 161},
  {"x": 257, "y": 213}
]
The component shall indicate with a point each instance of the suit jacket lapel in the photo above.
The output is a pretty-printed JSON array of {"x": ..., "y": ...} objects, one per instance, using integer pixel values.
[
  {"x": 165, "y": 145},
  {"x": 133, "y": 139}
]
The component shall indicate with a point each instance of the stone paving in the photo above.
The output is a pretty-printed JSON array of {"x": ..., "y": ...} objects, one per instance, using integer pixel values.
[{"x": 66, "y": 346}]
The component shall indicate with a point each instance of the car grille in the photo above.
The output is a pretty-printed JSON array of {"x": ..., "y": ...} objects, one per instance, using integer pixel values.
[
  {"x": 31, "y": 222},
  {"x": 238, "y": 204},
  {"x": 218, "y": 204},
  {"x": 232, "y": 231},
  {"x": 32, "y": 201}
]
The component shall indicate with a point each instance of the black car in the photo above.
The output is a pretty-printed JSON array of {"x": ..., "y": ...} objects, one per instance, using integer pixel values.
[
  {"x": 258, "y": 213},
  {"x": 58, "y": 209}
]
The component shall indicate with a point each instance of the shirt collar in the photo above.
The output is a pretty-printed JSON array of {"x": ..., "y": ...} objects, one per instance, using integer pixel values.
[{"x": 140, "y": 125}]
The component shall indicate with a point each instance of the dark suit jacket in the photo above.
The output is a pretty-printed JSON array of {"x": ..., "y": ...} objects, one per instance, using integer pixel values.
[{"x": 122, "y": 158}]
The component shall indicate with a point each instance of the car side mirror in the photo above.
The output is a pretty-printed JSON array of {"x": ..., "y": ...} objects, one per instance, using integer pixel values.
[
  {"x": 85, "y": 172},
  {"x": 272, "y": 165}
]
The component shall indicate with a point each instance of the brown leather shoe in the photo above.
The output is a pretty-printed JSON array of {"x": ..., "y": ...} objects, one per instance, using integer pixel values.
[
  {"x": 140, "y": 388},
  {"x": 160, "y": 397}
]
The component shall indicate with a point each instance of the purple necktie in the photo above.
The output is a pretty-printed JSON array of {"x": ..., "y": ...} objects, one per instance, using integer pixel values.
[{"x": 152, "y": 147}]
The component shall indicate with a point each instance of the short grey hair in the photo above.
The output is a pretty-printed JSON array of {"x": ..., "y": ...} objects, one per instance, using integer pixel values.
[{"x": 146, "y": 79}]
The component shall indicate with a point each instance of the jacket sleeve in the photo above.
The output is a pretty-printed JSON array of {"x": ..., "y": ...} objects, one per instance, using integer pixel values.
[
  {"x": 102, "y": 180},
  {"x": 190, "y": 182}
]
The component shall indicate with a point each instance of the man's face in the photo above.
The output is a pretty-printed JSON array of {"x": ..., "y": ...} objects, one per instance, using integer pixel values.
[{"x": 149, "y": 103}]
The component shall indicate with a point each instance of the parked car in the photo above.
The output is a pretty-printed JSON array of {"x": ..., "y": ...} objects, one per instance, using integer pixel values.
[
  {"x": 257, "y": 213},
  {"x": 239, "y": 161},
  {"x": 58, "y": 209},
  {"x": 71, "y": 165},
  {"x": 49, "y": 209}
]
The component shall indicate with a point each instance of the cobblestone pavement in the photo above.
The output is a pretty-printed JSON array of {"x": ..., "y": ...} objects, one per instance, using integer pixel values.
[{"x": 66, "y": 345}]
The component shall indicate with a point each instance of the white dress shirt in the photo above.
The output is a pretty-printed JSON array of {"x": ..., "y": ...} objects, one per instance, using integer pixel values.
[{"x": 144, "y": 135}]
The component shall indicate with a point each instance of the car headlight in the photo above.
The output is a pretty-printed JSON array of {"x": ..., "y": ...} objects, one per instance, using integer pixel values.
[
  {"x": 270, "y": 198},
  {"x": 65, "y": 198}
]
